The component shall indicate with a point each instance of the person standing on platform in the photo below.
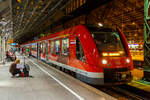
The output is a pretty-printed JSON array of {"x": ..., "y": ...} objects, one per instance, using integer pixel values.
[
  {"x": 13, "y": 68},
  {"x": 14, "y": 50},
  {"x": 28, "y": 50}
]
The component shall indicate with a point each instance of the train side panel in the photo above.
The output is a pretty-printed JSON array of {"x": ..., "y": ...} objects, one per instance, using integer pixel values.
[{"x": 74, "y": 49}]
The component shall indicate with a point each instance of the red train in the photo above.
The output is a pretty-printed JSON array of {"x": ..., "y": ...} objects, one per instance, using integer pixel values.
[{"x": 94, "y": 55}]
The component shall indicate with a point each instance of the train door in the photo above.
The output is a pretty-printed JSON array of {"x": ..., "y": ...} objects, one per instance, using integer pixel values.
[
  {"x": 47, "y": 50},
  {"x": 52, "y": 49},
  {"x": 79, "y": 51},
  {"x": 39, "y": 50},
  {"x": 42, "y": 50},
  {"x": 64, "y": 57}
]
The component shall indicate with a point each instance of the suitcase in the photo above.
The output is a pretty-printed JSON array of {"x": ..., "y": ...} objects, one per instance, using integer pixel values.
[{"x": 26, "y": 70}]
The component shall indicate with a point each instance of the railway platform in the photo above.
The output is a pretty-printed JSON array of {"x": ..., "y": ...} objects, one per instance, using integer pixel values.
[{"x": 47, "y": 83}]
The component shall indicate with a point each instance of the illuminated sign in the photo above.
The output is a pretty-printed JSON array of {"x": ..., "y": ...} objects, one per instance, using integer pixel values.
[{"x": 10, "y": 40}]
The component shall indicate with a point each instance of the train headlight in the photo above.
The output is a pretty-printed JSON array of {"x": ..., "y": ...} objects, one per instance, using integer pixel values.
[
  {"x": 104, "y": 61},
  {"x": 128, "y": 60}
]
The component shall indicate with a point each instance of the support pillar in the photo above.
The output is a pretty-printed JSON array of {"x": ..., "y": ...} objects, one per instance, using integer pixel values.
[
  {"x": 4, "y": 51},
  {"x": 0, "y": 49},
  {"x": 146, "y": 41}
]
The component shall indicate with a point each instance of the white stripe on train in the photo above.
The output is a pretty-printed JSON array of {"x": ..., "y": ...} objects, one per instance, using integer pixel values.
[{"x": 82, "y": 72}]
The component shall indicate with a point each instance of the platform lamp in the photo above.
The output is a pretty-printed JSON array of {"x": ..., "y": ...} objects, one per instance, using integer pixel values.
[{"x": 19, "y": 1}]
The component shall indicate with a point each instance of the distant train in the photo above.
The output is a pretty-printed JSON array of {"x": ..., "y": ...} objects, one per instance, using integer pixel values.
[{"x": 95, "y": 55}]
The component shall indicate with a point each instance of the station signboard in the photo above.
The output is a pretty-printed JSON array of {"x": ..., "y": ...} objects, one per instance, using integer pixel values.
[
  {"x": 10, "y": 40},
  {"x": 14, "y": 44}
]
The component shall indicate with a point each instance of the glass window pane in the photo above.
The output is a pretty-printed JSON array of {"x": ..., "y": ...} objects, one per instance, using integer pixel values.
[
  {"x": 34, "y": 46},
  {"x": 65, "y": 46},
  {"x": 57, "y": 47},
  {"x": 109, "y": 42},
  {"x": 52, "y": 47},
  {"x": 79, "y": 51},
  {"x": 43, "y": 47}
]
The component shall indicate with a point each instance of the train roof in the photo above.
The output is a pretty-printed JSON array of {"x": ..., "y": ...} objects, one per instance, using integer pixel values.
[
  {"x": 69, "y": 31},
  {"x": 60, "y": 34},
  {"x": 104, "y": 28}
]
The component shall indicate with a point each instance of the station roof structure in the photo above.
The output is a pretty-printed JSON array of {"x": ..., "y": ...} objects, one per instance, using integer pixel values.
[
  {"x": 3, "y": 5},
  {"x": 5, "y": 18},
  {"x": 34, "y": 17}
]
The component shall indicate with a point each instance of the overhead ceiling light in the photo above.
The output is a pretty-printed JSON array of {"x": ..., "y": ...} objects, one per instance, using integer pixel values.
[
  {"x": 32, "y": 3},
  {"x": 18, "y": 7},
  {"x": 135, "y": 34},
  {"x": 122, "y": 25},
  {"x": 133, "y": 23},
  {"x": 19, "y": 1},
  {"x": 100, "y": 24}
]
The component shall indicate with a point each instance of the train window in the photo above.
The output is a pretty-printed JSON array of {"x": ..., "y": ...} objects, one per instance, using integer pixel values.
[
  {"x": 65, "y": 47},
  {"x": 57, "y": 47},
  {"x": 79, "y": 50},
  {"x": 49, "y": 48},
  {"x": 34, "y": 48},
  {"x": 43, "y": 47},
  {"x": 52, "y": 47},
  {"x": 109, "y": 43}
]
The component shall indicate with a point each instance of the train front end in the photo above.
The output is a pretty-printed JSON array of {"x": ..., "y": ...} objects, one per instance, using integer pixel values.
[{"x": 115, "y": 58}]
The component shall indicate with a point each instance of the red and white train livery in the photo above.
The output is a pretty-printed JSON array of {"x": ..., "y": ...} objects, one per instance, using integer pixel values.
[{"x": 95, "y": 55}]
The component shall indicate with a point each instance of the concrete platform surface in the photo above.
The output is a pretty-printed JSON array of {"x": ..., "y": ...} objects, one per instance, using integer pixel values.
[{"x": 47, "y": 84}]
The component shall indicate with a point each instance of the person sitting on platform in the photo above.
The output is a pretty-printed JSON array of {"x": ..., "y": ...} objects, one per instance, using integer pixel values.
[{"x": 13, "y": 68}]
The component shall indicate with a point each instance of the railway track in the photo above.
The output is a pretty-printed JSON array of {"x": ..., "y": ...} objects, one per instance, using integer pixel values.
[{"x": 126, "y": 92}]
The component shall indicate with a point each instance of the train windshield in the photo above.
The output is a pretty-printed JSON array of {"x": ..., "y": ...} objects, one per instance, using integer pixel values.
[{"x": 109, "y": 43}]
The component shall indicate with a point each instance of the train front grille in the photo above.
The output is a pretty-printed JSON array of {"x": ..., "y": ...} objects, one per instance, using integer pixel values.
[{"x": 117, "y": 75}]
